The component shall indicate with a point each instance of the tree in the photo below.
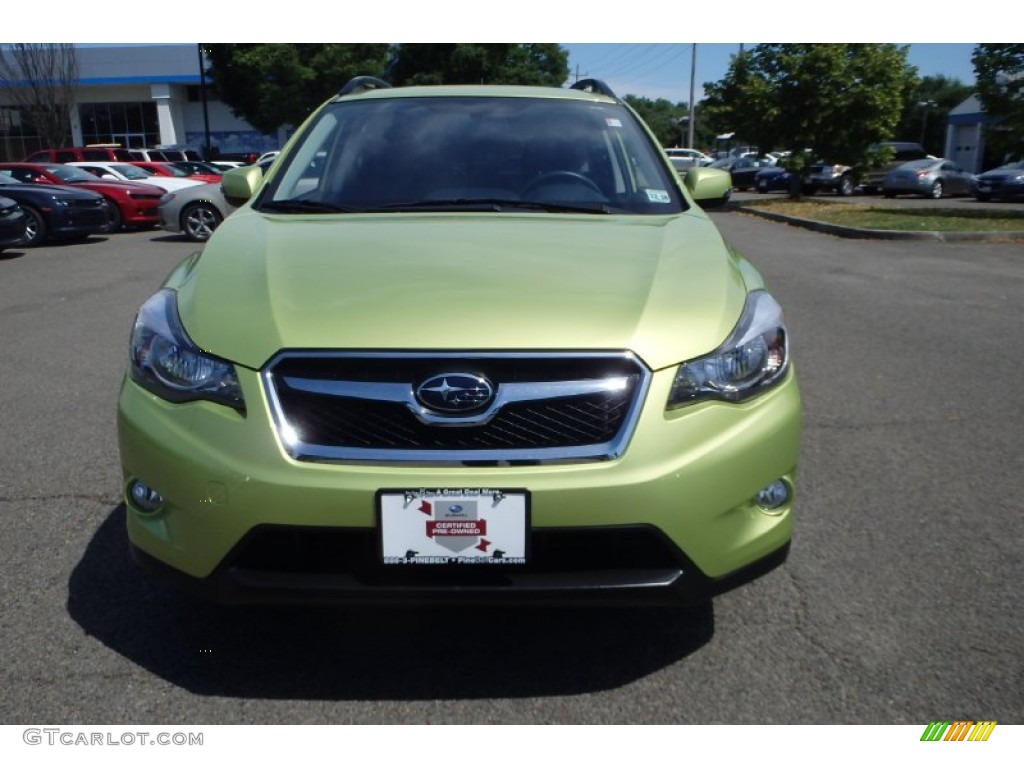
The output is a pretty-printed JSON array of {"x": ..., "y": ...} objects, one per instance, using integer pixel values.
[
  {"x": 667, "y": 120},
  {"x": 999, "y": 69},
  {"x": 273, "y": 84},
  {"x": 925, "y": 108},
  {"x": 473, "y": 63},
  {"x": 41, "y": 80},
  {"x": 836, "y": 99}
]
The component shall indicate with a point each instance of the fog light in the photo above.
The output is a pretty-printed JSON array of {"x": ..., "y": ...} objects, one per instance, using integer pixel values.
[
  {"x": 773, "y": 496},
  {"x": 144, "y": 497}
]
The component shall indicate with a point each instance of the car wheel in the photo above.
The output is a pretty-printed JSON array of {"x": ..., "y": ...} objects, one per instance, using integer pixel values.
[
  {"x": 889, "y": 195},
  {"x": 936, "y": 191},
  {"x": 35, "y": 232},
  {"x": 199, "y": 220},
  {"x": 845, "y": 187},
  {"x": 114, "y": 220},
  {"x": 982, "y": 198}
]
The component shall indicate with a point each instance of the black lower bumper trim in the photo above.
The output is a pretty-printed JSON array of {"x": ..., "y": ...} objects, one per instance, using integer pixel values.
[{"x": 238, "y": 581}]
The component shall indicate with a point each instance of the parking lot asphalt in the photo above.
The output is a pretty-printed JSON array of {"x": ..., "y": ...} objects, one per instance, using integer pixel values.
[{"x": 899, "y": 604}]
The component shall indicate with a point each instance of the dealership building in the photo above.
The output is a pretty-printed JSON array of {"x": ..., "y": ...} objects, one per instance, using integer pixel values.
[{"x": 142, "y": 96}]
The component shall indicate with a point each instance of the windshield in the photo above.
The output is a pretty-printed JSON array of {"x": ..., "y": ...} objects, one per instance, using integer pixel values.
[
  {"x": 70, "y": 174},
  {"x": 170, "y": 170},
  {"x": 132, "y": 172},
  {"x": 464, "y": 153}
]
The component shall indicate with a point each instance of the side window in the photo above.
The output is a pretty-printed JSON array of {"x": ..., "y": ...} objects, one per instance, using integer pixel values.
[
  {"x": 94, "y": 154},
  {"x": 65, "y": 157}
]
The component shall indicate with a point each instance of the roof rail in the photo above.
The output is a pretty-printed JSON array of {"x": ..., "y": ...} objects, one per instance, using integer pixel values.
[
  {"x": 363, "y": 83},
  {"x": 590, "y": 85}
]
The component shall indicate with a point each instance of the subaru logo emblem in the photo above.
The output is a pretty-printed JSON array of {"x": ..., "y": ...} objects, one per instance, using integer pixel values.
[{"x": 455, "y": 392}]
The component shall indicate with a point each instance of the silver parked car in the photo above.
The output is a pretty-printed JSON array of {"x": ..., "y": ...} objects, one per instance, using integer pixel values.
[
  {"x": 194, "y": 211},
  {"x": 197, "y": 211},
  {"x": 931, "y": 177}
]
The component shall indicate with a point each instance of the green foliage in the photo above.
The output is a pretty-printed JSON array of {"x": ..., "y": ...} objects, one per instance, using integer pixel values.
[
  {"x": 273, "y": 84},
  {"x": 999, "y": 69},
  {"x": 665, "y": 119},
  {"x": 836, "y": 98},
  {"x": 925, "y": 109},
  {"x": 473, "y": 63}
]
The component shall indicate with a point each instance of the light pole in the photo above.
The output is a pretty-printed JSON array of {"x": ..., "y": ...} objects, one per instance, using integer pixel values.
[
  {"x": 924, "y": 117},
  {"x": 692, "y": 122},
  {"x": 202, "y": 94}
]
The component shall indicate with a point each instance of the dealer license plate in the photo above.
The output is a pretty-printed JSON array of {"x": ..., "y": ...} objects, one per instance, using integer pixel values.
[{"x": 453, "y": 526}]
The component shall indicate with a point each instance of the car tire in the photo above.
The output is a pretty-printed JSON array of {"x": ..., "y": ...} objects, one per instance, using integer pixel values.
[
  {"x": 936, "y": 191},
  {"x": 114, "y": 221},
  {"x": 845, "y": 187},
  {"x": 35, "y": 228},
  {"x": 889, "y": 195},
  {"x": 982, "y": 198},
  {"x": 199, "y": 220}
]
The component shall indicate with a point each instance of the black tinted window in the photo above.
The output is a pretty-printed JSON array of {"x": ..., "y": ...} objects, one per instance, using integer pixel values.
[{"x": 379, "y": 153}]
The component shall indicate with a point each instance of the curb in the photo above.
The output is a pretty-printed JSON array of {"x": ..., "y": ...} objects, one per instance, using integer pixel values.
[{"x": 875, "y": 234}]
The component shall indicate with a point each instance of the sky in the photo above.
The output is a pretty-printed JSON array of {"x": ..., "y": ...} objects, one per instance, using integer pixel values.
[
  {"x": 634, "y": 46},
  {"x": 662, "y": 70}
]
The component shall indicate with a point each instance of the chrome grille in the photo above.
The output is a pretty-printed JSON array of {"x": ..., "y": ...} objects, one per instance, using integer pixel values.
[{"x": 363, "y": 407}]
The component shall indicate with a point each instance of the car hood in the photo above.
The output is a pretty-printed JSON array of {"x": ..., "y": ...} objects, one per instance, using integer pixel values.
[
  {"x": 45, "y": 191},
  {"x": 111, "y": 186},
  {"x": 1000, "y": 175},
  {"x": 666, "y": 288}
]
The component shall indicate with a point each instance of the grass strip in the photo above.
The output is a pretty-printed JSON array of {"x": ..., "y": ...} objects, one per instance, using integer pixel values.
[{"x": 867, "y": 216}]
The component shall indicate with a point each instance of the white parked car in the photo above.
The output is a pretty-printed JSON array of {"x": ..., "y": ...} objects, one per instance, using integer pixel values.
[
  {"x": 128, "y": 172},
  {"x": 694, "y": 157}
]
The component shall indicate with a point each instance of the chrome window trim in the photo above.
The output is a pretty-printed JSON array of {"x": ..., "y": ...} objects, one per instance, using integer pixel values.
[{"x": 506, "y": 393}]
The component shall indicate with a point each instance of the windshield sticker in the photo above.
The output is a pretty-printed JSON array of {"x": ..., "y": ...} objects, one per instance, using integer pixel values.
[
  {"x": 658, "y": 196},
  {"x": 613, "y": 122}
]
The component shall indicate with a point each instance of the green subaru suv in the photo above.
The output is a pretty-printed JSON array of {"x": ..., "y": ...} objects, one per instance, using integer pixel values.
[{"x": 462, "y": 343}]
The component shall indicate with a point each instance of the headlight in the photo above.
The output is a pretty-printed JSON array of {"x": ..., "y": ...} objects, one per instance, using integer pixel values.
[
  {"x": 166, "y": 198},
  {"x": 754, "y": 357},
  {"x": 165, "y": 361}
]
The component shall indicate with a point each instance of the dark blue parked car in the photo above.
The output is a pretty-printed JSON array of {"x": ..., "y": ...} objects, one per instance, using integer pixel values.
[
  {"x": 1002, "y": 182},
  {"x": 12, "y": 223},
  {"x": 57, "y": 212},
  {"x": 772, "y": 180}
]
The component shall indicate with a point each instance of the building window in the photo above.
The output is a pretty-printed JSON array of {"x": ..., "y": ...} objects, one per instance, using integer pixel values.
[
  {"x": 130, "y": 124},
  {"x": 17, "y": 138}
]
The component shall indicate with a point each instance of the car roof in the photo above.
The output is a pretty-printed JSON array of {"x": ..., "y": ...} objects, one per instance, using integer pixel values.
[{"x": 502, "y": 91}]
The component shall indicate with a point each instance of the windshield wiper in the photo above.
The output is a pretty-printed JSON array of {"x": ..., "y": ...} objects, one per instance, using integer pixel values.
[
  {"x": 304, "y": 206},
  {"x": 495, "y": 204}
]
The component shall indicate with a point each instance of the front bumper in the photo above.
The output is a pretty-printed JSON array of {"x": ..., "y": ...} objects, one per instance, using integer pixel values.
[
  {"x": 684, "y": 489},
  {"x": 70, "y": 222},
  {"x": 136, "y": 213}
]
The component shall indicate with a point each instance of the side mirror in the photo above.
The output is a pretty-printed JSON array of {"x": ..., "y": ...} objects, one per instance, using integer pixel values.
[
  {"x": 239, "y": 184},
  {"x": 710, "y": 187}
]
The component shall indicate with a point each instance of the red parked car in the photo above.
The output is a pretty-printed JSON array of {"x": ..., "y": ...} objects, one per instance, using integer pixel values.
[
  {"x": 131, "y": 204},
  {"x": 169, "y": 169}
]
